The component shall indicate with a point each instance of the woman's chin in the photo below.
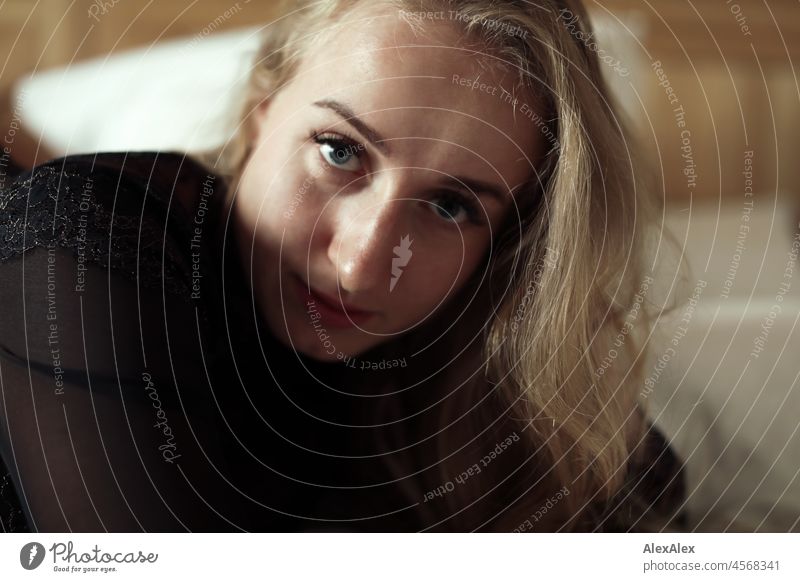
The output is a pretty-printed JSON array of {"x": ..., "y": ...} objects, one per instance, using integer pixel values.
[
  {"x": 321, "y": 350},
  {"x": 322, "y": 356}
]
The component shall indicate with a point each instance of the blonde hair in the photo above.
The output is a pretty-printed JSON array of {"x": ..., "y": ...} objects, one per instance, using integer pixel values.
[{"x": 563, "y": 347}]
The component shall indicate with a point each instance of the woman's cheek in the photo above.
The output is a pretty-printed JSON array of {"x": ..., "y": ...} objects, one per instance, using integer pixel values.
[
  {"x": 298, "y": 187},
  {"x": 453, "y": 267},
  {"x": 429, "y": 280}
]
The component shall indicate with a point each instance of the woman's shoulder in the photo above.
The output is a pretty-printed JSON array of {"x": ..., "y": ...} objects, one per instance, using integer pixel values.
[
  {"x": 120, "y": 210},
  {"x": 121, "y": 181}
]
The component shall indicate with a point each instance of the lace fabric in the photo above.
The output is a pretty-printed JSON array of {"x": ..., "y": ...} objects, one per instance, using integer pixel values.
[
  {"x": 11, "y": 517},
  {"x": 55, "y": 205}
]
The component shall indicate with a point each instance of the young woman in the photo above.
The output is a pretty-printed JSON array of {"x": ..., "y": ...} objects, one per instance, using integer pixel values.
[{"x": 409, "y": 295}]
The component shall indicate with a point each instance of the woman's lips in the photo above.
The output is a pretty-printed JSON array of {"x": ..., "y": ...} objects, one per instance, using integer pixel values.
[{"x": 331, "y": 313}]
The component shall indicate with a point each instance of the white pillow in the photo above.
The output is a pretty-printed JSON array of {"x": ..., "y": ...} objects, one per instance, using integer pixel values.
[
  {"x": 732, "y": 415},
  {"x": 179, "y": 94}
]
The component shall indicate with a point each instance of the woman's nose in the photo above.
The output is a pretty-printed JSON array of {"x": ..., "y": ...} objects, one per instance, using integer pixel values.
[{"x": 370, "y": 244}]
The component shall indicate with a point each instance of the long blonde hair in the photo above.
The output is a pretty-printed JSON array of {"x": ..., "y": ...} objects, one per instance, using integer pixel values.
[{"x": 560, "y": 324}]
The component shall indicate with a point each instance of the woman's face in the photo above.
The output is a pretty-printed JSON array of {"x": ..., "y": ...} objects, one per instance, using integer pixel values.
[{"x": 379, "y": 176}]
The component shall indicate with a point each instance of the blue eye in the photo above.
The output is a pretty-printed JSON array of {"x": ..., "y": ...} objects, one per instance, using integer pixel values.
[
  {"x": 458, "y": 207},
  {"x": 340, "y": 153}
]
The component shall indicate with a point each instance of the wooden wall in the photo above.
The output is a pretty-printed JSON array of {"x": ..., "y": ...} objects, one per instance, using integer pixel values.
[
  {"x": 732, "y": 66},
  {"x": 729, "y": 63},
  {"x": 45, "y": 33}
]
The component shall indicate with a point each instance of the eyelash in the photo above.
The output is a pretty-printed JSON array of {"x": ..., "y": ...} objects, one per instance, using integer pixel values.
[
  {"x": 319, "y": 137},
  {"x": 474, "y": 214},
  {"x": 344, "y": 142}
]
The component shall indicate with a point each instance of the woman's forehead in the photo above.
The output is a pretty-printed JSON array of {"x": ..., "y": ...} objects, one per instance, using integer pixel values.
[
  {"x": 380, "y": 38},
  {"x": 426, "y": 87}
]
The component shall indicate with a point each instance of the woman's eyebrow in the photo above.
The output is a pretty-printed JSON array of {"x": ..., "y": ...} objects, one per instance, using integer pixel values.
[
  {"x": 345, "y": 112},
  {"x": 475, "y": 186}
]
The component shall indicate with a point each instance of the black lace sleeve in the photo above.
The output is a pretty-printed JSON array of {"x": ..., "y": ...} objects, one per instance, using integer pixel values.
[
  {"x": 104, "y": 425},
  {"x": 109, "y": 211}
]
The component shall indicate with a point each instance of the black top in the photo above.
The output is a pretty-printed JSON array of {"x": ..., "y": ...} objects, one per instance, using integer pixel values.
[{"x": 140, "y": 390}]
